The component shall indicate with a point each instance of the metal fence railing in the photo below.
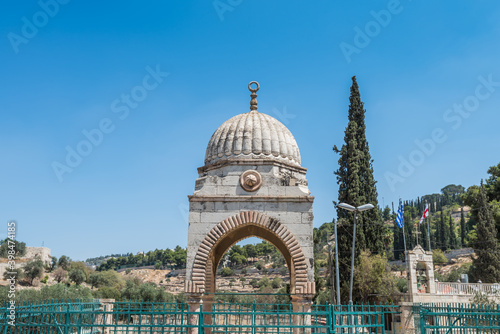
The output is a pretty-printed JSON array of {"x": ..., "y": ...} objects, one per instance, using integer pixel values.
[
  {"x": 456, "y": 288},
  {"x": 456, "y": 318},
  {"x": 94, "y": 316}
]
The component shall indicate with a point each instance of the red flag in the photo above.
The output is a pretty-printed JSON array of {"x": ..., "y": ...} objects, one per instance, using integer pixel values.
[{"x": 426, "y": 213}]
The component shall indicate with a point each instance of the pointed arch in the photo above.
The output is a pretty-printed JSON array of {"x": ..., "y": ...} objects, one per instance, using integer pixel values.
[{"x": 240, "y": 226}]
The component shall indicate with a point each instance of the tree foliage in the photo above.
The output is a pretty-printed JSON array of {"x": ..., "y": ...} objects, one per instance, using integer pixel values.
[
  {"x": 168, "y": 258},
  {"x": 357, "y": 186},
  {"x": 108, "y": 279},
  {"x": 60, "y": 274},
  {"x": 47, "y": 292},
  {"x": 6, "y": 245},
  {"x": 438, "y": 257},
  {"x": 64, "y": 262},
  {"x": 17, "y": 273},
  {"x": 486, "y": 266},
  {"x": 226, "y": 272},
  {"x": 374, "y": 282},
  {"x": 452, "y": 241},
  {"x": 34, "y": 269},
  {"x": 77, "y": 276}
]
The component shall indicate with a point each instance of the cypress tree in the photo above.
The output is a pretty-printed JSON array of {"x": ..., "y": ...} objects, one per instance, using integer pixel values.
[
  {"x": 357, "y": 187},
  {"x": 463, "y": 231},
  {"x": 442, "y": 240},
  {"x": 487, "y": 264},
  {"x": 410, "y": 234},
  {"x": 435, "y": 234},
  {"x": 446, "y": 234},
  {"x": 453, "y": 235},
  {"x": 423, "y": 234}
]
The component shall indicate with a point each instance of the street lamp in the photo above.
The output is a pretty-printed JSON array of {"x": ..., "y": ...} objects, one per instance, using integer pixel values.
[{"x": 351, "y": 208}]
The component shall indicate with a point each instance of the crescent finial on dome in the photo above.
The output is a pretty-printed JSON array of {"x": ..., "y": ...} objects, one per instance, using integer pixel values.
[
  {"x": 252, "y": 135},
  {"x": 253, "y": 101}
]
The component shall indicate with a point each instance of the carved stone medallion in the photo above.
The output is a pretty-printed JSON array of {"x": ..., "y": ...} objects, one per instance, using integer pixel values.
[{"x": 251, "y": 180}]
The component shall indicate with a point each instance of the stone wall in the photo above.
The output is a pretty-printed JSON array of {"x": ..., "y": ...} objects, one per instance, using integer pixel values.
[
  {"x": 31, "y": 253},
  {"x": 42, "y": 252}
]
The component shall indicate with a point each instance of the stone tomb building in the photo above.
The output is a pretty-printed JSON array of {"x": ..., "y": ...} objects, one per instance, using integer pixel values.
[{"x": 252, "y": 185}]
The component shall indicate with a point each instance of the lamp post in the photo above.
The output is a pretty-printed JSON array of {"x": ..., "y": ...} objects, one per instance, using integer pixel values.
[
  {"x": 336, "y": 263},
  {"x": 351, "y": 208}
]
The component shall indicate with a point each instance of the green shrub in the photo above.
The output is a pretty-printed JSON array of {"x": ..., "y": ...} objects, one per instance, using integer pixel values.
[
  {"x": 108, "y": 292},
  {"x": 226, "y": 272},
  {"x": 77, "y": 276},
  {"x": 402, "y": 285},
  {"x": 398, "y": 267},
  {"x": 254, "y": 283},
  {"x": 18, "y": 273},
  {"x": 47, "y": 292},
  {"x": 438, "y": 257},
  {"x": 34, "y": 269},
  {"x": 7, "y": 245},
  {"x": 277, "y": 282},
  {"x": 264, "y": 282},
  {"x": 455, "y": 274}
]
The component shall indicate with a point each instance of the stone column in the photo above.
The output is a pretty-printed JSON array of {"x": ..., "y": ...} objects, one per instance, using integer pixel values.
[
  {"x": 301, "y": 305},
  {"x": 208, "y": 306},
  {"x": 194, "y": 303},
  {"x": 107, "y": 309},
  {"x": 407, "y": 325}
]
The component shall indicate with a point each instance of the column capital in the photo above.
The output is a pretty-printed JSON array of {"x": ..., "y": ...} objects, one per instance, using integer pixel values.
[
  {"x": 302, "y": 299},
  {"x": 194, "y": 298}
]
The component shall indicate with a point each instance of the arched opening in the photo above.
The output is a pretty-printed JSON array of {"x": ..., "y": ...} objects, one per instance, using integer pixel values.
[
  {"x": 241, "y": 226},
  {"x": 422, "y": 274},
  {"x": 200, "y": 282},
  {"x": 253, "y": 270},
  {"x": 246, "y": 231}
]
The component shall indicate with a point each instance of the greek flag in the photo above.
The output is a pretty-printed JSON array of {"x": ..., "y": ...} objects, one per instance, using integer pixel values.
[{"x": 400, "y": 218}]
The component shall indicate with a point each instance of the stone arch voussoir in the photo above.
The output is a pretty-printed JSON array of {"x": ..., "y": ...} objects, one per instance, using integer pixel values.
[{"x": 198, "y": 282}]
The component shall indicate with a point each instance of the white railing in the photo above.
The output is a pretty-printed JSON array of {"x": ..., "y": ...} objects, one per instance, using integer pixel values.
[{"x": 449, "y": 288}]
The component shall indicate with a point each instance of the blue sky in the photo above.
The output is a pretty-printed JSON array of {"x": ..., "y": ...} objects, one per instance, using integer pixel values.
[{"x": 67, "y": 67}]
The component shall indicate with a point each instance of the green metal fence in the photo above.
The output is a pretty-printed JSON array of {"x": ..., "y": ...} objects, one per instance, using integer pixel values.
[
  {"x": 456, "y": 318},
  {"x": 378, "y": 319},
  {"x": 92, "y": 316},
  {"x": 50, "y": 316}
]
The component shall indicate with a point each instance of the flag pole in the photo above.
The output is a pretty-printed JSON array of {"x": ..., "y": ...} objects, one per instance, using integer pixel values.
[
  {"x": 404, "y": 237},
  {"x": 404, "y": 241},
  {"x": 429, "y": 229},
  {"x": 400, "y": 220}
]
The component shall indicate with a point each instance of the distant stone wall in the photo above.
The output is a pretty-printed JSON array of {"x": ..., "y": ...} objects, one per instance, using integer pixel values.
[
  {"x": 31, "y": 253},
  {"x": 452, "y": 254},
  {"x": 42, "y": 252}
]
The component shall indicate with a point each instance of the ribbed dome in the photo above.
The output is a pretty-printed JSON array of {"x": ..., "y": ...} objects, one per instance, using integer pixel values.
[{"x": 252, "y": 135}]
